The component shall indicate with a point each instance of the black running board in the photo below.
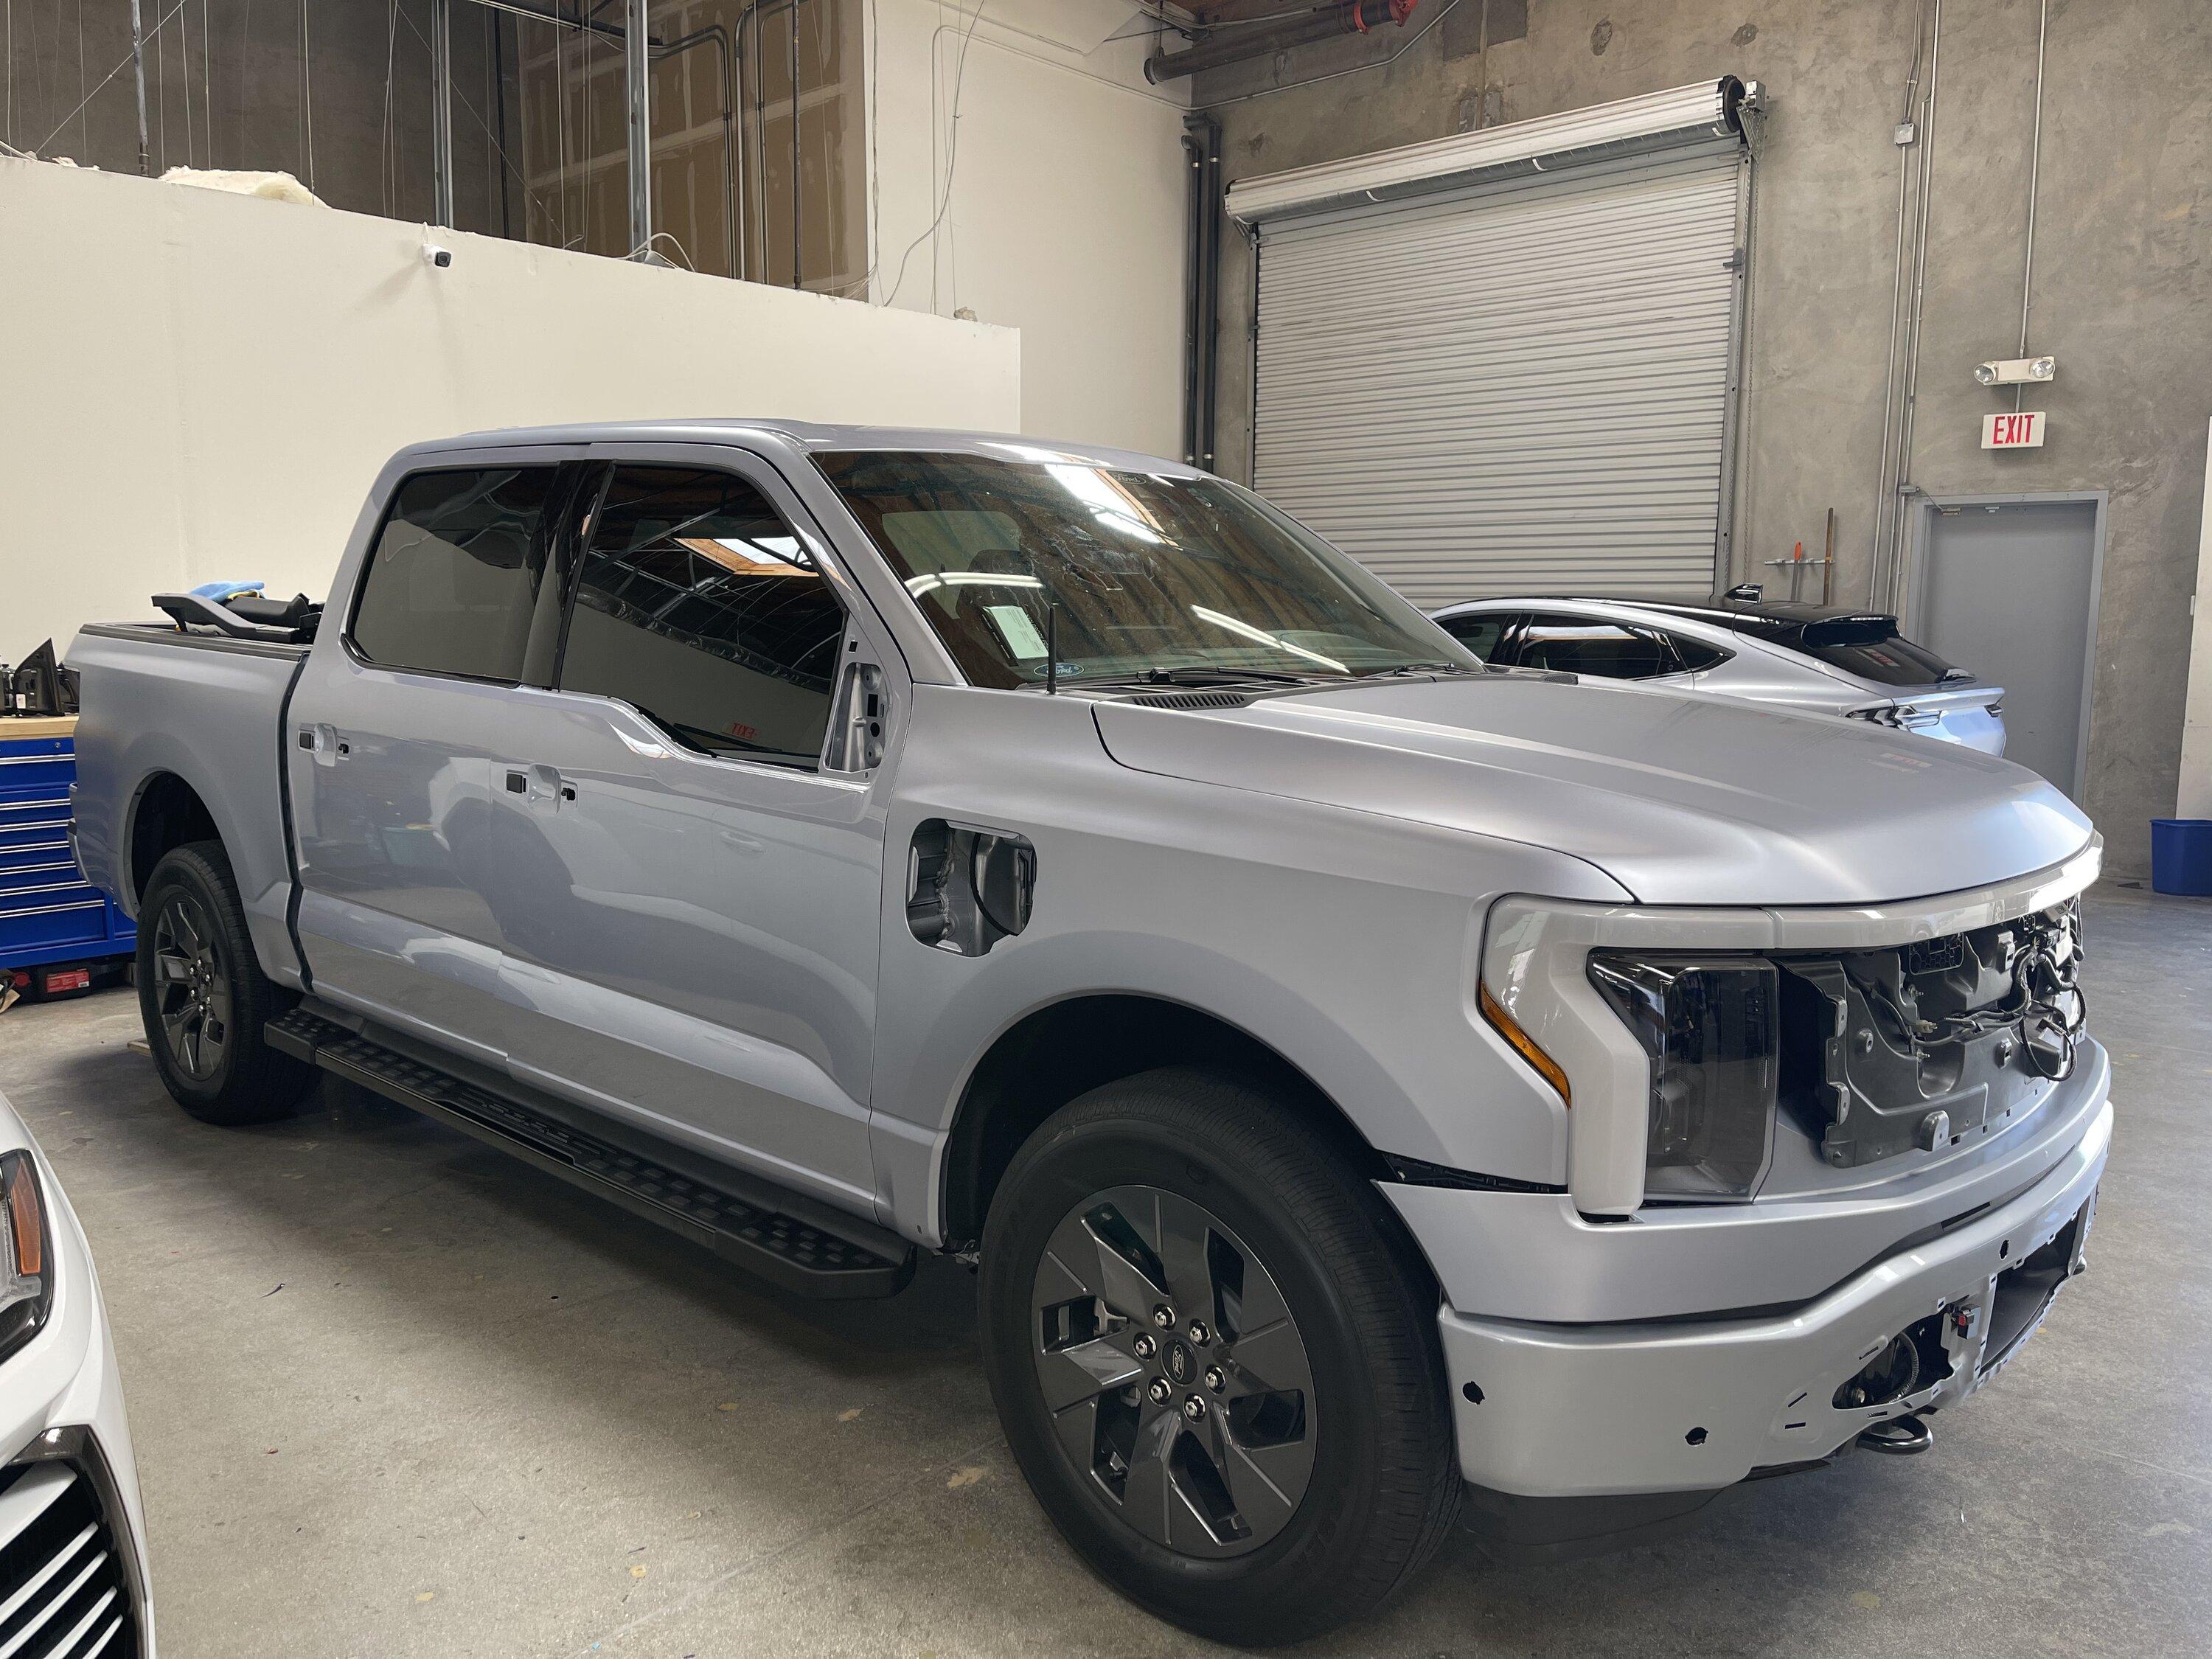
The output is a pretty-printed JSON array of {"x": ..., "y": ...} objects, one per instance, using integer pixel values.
[{"x": 811, "y": 1257}]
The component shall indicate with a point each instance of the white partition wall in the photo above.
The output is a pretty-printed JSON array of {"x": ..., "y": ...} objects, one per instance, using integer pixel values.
[{"x": 196, "y": 386}]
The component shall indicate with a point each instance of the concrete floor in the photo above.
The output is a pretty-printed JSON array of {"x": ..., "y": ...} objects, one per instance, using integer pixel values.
[{"x": 395, "y": 1394}]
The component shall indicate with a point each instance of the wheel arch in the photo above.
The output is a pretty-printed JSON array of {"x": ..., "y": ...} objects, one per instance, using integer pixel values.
[
  {"x": 1068, "y": 1046},
  {"x": 167, "y": 813}
]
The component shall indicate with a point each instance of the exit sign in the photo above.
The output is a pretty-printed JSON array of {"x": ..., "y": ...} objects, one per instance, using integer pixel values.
[{"x": 2021, "y": 431}]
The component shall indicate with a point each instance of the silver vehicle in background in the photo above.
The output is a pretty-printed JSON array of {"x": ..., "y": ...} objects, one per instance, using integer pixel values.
[
  {"x": 836, "y": 844},
  {"x": 1824, "y": 659}
]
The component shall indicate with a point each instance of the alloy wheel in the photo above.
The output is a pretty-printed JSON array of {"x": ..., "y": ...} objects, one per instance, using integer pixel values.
[
  {"x": 191, "y": 991},
  {"x": 1176, "y": 1379}
]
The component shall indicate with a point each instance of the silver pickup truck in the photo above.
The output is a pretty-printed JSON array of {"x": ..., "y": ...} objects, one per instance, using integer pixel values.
[{"x": 1373, "y": 1087}]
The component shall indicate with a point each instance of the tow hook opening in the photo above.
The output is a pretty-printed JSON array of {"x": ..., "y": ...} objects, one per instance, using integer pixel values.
[
  {"x": 1900, "y": 1437},
  {"x": 1914, "y": 1359}
]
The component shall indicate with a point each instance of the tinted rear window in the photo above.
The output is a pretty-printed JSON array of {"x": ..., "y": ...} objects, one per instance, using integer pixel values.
[
  {"x": 1874, "y": 651},
  {"x": 454, "y": 580}
]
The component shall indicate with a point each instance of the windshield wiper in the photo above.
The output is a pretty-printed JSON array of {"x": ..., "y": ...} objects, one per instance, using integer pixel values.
[
  {"x": 1426, "y": 668},
  {"x": 1195, "y": 675}
]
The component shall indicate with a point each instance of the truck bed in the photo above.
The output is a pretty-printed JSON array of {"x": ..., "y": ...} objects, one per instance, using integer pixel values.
[{"x": 164, "y": 703}]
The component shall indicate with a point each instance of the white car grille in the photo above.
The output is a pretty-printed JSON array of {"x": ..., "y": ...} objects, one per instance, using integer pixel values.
[{"x": 65, "y": 1583}]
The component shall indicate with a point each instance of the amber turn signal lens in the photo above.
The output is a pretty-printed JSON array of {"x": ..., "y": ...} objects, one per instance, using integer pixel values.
[
  {"x": 1524, "y": 1045},
  {"x": 26, "y": 1216}
]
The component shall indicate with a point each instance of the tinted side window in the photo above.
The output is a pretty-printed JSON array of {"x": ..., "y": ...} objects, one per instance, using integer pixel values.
[
  {"x": 1480, "y": 631},
  {"x": 1695, "y": 654},
  {"x": 697, "y": 605},
  {"x": 452, "y": 579},
  {"x": 1587, "y": 645}
]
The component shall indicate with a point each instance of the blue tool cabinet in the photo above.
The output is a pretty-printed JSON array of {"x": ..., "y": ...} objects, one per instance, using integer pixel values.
[{"x": 48, "y": 912}]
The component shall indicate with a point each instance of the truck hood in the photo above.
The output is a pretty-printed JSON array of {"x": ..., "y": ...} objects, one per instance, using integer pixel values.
[{"x": 1682, "y": 799}]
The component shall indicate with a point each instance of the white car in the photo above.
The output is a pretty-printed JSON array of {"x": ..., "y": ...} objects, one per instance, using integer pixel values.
[
  {"x": 1823, "y": 659},
  {"x": 72, "y": 1562}
]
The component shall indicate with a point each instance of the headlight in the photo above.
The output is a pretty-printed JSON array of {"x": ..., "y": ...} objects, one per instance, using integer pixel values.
[
  {"x": 26, "y": 1261},
  {"x": 1709, "y": 1025}
]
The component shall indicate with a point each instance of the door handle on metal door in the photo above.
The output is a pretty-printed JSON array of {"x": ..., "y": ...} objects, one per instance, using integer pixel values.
[
  {"x": 323, "y": 741},
  {"x": 543, "y": 785}
]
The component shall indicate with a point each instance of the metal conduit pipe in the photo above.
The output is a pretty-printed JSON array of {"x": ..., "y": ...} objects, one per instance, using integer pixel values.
[
  {"x": 1909, "y": 407},
  {"x": 754, "y": 12},
  {"x": 1201, "y": 143},
  {"x": 1337, "y": 17},
  {"x": 1908, "y": 116},
  {"x": 728, "y": 66},
  {"x": 2034, "y": 179}
]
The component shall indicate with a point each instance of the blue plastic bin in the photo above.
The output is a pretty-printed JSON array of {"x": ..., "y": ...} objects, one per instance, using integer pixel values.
[{"x": 2181, "y": 856}]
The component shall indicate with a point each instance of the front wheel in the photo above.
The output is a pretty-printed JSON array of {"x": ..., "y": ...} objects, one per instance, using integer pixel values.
[
  {"x": 204, "y": 998},
  {"x": 1214, "y": 1353}
]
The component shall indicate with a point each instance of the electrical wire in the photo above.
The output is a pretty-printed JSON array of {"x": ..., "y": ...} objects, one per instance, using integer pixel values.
[
  {"x": 39, "y": 148},
  {"x": 2044, "y": 1007},
  {"x": 1190, "y": 29},
  {"x": 484, "y": 127},
  {"x": 387, "y": 162},
  {"x": 951, "y": 161},
  {"x": 1400, "y": 50}
]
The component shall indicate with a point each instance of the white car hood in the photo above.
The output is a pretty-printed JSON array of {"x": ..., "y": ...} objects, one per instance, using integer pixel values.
[{"x": 1682, "y": 799}]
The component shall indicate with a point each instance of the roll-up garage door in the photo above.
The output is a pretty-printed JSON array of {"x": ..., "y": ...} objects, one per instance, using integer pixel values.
[{"x": 1511, "y": 386}]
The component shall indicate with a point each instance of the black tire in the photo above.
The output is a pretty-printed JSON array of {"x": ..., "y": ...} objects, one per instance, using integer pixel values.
[
  {"x": 204, "y": 998},
  {"x": 1383, "y": 1484}
]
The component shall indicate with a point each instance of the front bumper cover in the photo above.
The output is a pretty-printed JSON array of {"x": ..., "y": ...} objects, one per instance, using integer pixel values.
[{"x": 1563, "y": 1411}]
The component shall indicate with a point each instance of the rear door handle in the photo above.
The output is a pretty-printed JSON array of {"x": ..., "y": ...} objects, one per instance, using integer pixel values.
[{"x": 323, "y": 742}]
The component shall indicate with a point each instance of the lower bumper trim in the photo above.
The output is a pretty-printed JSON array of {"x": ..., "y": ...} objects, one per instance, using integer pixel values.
[{"x": 1578, "y": 1411}]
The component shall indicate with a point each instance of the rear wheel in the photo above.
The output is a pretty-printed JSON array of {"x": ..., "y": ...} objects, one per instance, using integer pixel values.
[
  {"x": 1214, "y": 1353},
  {"x": 204, "y": 998}
]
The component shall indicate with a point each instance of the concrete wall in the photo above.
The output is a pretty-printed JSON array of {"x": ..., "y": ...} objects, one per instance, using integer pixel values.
[
  {"x": 202, "y": 386},
  {"x": 2123, "y": 291},
  {"x": 1063, "y": 195}
]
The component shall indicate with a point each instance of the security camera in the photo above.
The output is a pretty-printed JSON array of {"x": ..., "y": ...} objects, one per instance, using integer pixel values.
[
  {"x": 442, "y": 257},
  {"x": 2016, "y": 371}
]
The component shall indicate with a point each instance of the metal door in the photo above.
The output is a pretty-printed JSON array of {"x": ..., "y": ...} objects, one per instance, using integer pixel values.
[
  {"x": 696, "y": 949},
  {"x": 399, "y": 723},
  {"x": 2008, "y": 590},
  {"x": 1515, "y": 387}
]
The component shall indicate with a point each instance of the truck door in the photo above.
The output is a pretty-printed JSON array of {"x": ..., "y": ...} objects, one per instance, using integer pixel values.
[
  {"x": 398, "y": 724},
  {"x": 697, "y": 946}
]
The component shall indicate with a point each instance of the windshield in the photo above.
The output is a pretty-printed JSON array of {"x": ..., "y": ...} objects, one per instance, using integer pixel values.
[{"x": 1123, "y": 574}]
